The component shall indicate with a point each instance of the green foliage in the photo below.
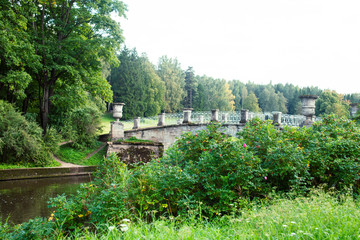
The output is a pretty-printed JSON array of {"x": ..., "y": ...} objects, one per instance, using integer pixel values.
[
  {"x": 174, "y": 78},
  {"x": 36, "y": 228},
  {"x": 20, "y": 140},
  {"x": 82, "y": 126},
  {"x": 134, "y": 140},
  {"x": 281, "y": 158},
  {"x": 202, "y": 173},
  {"x": 251, "y": 103},
  {"x": 68, "y": 153},
  {"x": 103, "y": 201},
  {"x": 331, "y": 102},
  {"x": 213, "y": 94},
  {"x": 136, "y": 84},
  {"x": 333, "y": 152}
]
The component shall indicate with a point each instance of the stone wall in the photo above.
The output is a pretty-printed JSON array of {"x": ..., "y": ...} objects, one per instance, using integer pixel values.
[
  {"x": 168, "y": 134},
  {"x": 27, "y": 173},
  {"x": 135, "y": 152}
]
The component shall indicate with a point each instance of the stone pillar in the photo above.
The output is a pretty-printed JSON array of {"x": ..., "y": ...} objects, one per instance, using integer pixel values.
[
  {"x": 224, "y": 118},
  {"x": 161, "y": 119},
  {"x": 354, "y": 109},
  {"x": 117, "y": 128},
  {"x": 136, "y": 123},
  {"x": 244, "y": 115},
  {"x": 308, "y": 108},
  {"x": 201, "y": 119},
  {"x": 187, "y": 115},
  {"x": 277, "y": 118},
  {"x": 215, "y": 115}
]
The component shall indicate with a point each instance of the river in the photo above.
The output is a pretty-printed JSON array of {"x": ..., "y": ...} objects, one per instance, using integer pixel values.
[{"x": 26, "y": 199}]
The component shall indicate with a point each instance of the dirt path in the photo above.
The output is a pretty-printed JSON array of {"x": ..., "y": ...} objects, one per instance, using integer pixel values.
[{"x": 65, "y": 164}]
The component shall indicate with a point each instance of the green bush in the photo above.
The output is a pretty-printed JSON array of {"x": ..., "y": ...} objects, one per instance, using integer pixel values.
[
  {"x": 82, "y": 126},
  {"x": 333, "y": 152},
  {"x": 97, "y": 203},
  {"x": 208, "y": 170},
  {"x": 20, "y": 140},
  {"x": 281, "y": 157}
]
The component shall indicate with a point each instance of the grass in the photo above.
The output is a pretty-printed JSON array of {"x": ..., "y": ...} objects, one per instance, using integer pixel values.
[
  {"x": 128, "y": 124},
  {"x": 53, "y": 163},
  {"x": 320, "y": 216},
  {"x": 134, "y": 140},
  {"x": 79, "y": 156}
]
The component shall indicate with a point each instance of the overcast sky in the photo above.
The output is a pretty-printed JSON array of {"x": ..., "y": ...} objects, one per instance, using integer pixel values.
[{"x": 303, "y": 42}]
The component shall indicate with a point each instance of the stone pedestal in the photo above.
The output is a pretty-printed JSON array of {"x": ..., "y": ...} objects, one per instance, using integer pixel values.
[
  {"x": 308, "y": 109},
  {"x": 187, "y": 115},
  {"x": 277, "y": 118},
  {"x": 244, "y": 116},
  {"x": 117, "y": 131},
  {"x": 161, "y": 121},
  {"x": 354, "y": 109},
  {"x": 215, "y": 115},
  {"x": 136, "y": 123}
]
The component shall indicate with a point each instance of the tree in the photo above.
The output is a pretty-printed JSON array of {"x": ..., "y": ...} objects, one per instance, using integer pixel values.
[
  {"x": 251, "y": 103},
  {"x": 190, "y": 87},
  {"x": 332, "y": 102},
  {"x": 70, "y": 39},
  {"x": 16, "y": 52},
  {"x": 173, "y": 76},
  {"x": 213, "y": 93},
  {"x": 136, "y": 84}
]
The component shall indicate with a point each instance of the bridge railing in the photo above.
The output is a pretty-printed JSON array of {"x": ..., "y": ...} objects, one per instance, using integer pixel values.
[{"x": 205, "y": 116}]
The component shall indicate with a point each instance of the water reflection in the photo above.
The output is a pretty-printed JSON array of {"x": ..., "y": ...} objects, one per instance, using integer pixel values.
[{"x": 25, "y": 199}]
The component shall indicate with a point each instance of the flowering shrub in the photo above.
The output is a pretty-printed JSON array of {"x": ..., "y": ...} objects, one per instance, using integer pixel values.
[
  {"x": 207, "y": 170},
  {"x": 281, "y": 157},
  {"x": 333, "y": 152}
]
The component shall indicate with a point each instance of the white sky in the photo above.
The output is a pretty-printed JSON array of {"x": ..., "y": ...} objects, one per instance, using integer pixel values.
[{"x": 303, "y": 42}]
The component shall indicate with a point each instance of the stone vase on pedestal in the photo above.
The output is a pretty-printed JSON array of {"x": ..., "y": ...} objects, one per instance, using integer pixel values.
[
  {"x": 308, "y": 108},
  {"x": 117, "y": 128}
]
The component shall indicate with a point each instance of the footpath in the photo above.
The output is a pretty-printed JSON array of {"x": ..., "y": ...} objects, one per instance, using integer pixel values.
[{"x": 66, "y": 169}]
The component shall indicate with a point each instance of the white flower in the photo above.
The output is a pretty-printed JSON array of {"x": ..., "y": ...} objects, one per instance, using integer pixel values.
[
  {"x": 292, "y": 234},
  {"x": 111, "y": 228},
  {"x": 125, "y": 220},
  {"x": 124, "y": 227},
  {"x": 284, "y": 225},
  {"x": 293, "y": 222}
]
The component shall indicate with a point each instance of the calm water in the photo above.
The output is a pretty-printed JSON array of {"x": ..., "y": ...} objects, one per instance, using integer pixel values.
[{"x": 25, "y": 199}]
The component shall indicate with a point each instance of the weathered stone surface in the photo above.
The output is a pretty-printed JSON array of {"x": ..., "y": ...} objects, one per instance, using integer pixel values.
[
  {"x": 168, "y": 134},
  {"x": 27, "y": 173},
  {"x": 136, "y": 152},
  {"x": 117, "y": 131}
]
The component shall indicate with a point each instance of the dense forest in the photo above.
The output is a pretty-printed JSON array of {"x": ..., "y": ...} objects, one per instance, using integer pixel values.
[{"x": 147, "y": 89}]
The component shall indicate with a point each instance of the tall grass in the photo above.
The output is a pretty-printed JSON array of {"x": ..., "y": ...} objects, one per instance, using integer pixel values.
[{"x": 320, "y": 216}]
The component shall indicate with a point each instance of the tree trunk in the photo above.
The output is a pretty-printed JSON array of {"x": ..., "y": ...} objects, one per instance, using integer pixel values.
[{"x": 45, "y": 106}]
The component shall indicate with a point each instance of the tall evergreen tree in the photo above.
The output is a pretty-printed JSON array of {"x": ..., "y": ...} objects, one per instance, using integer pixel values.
[
  {"x": 173, "y": 76},
  {"x": 190, "y": 87},
  {"x": 135, "y": 83}
]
